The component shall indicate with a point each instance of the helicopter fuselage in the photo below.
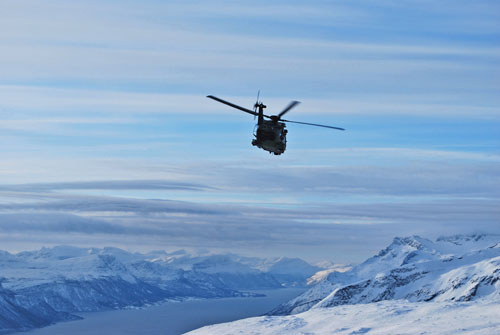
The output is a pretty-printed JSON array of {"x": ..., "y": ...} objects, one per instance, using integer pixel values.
[{"x": 270, "y": 136}]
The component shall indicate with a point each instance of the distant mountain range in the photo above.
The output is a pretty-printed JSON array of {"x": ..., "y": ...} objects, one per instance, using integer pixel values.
[
  {"x": 38, "y": 288},
  {"x": 414, "y": 286}
]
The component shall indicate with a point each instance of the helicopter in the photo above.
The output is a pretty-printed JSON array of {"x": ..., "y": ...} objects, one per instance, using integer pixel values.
[{"x": 270, "y": 135}]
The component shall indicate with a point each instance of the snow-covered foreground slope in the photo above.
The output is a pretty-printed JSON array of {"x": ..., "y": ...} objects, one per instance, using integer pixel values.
[
  {"x": 41, "y": 287},
  {"x": 386, "y": 317}
]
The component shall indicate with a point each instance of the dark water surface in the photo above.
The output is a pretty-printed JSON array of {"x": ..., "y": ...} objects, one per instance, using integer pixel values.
[{"x": 170, "y": 318}]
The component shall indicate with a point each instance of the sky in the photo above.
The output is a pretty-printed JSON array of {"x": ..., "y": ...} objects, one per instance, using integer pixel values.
[{"x": 107, "y": 137}]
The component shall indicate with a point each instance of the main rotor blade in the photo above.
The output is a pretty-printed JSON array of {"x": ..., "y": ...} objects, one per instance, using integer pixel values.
[
  {"x": 314, "y": 124},
  {"x": 233, "y": 105},
  {"x": 287, "y": 108}
]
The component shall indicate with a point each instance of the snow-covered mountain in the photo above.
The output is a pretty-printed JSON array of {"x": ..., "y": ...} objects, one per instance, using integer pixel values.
[
  {"x": 458, "y": 268},
  {"x": 290, "y": 271},
  {"x": 279, "y": 271},
  {"x": 14, "y": 317},
  {"x": 413, "y": 286},
  {"x": 43, "y": 286}
]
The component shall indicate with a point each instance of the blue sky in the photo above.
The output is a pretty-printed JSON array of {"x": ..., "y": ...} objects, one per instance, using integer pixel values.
[{"x": 107, "y": 138}]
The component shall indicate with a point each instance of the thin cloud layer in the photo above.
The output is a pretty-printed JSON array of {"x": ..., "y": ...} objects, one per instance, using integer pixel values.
[
  {"x": 107, "y": 185},
  {"x": 327, "y": 226}
]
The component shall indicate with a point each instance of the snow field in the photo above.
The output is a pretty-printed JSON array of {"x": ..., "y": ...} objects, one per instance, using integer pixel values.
[{"x": 381, "y": 318}]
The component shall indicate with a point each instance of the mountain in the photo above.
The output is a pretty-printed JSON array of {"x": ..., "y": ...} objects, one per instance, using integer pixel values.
[
  {"x": 74, "y": 280},
  {"x": 44, "y": 286},
  {"x": 414, "y": 286},
  {"x": 247, "y": 273},
  {"x": 14, "y": 317},
  {"x": 458, "y": 268},
  {"x": 291, "y": 271}
]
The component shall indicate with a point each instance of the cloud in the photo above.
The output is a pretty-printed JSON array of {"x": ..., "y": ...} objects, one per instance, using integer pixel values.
[
  {"x": 389, "y": 173},
  {"x": 355, "y": 172},
  {"x": 107, "y": 185},
  {"x": 89, "y": 105},
  {"x": 45, "y": 224},
  {"x": 109, "y": 48},
  {"x": 56, "y": 222},
  {"x": 97, "y": 204},
  {"x": 292, "y": 207},
  {"x": 347, "y": 232}
]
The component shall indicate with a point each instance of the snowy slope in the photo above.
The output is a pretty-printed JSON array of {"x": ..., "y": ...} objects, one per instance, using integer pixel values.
[
  {"x": 381, "y": 318},
  {"x": 459, "y": 268}
]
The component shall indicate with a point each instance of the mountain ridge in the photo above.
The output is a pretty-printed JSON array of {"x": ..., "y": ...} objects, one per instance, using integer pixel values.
[{"x": 412, "y": 268}]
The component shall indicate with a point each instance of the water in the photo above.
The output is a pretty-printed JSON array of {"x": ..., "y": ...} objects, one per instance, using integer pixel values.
[{"x": 170, "y": 318}]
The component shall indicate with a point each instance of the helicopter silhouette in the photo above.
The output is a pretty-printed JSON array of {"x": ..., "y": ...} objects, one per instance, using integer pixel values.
[{"x": 270, "y": 135}]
